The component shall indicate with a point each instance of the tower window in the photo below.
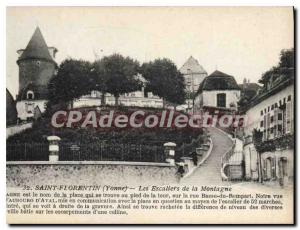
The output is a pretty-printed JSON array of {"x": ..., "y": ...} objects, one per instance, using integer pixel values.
[{"x": 30, "y": 95}]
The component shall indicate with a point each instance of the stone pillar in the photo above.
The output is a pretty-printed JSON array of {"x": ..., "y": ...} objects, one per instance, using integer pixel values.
[
  {"x": 188, "y": 161},
  {"x": 53, "y": 148},
  {"x": 170, "y": 152}
]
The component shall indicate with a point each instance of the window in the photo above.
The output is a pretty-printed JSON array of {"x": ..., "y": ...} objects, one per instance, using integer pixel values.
[
  {"x": 30, "y": 95},
  {"x": 279, "y": 117},
  {"x": 261, "y": 123},
  {"x": 221, "y": 100},
  {"x": 272, "y": 119},
  {"x": 272, "y": 107},
  {"x": 268, "y": 108},
  {"x": 289, "y": 98},
  {"x": 276, "y": 105},
  {"x": 29, "y": 107},
  {"x": 288, "y": 119},
  {"x": 261, "y": 112}
]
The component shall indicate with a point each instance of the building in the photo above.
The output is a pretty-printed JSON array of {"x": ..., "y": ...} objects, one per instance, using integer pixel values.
[
  {"x": 219, "y": 91},
  {"x": 269, "y": 133},
  {"x": 248, "y": 91},
  {"x": 11, "y": 112},
  {"x": 193, "y": 74},
  {"x": 138, "y": 98},
  {"x": 36, "y": 67}
]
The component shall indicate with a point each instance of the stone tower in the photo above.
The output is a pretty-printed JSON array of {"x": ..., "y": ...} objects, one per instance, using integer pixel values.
[
  {"x": 193, "y": 74},
  {"x": 36, "y": 67}
]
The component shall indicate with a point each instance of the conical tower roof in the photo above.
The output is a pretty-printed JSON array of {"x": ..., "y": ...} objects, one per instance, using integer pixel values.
[{"x": 36, "y": 48}]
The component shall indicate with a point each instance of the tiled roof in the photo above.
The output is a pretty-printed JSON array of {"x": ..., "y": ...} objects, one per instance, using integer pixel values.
[
  {"x": 218, "y": 81},
  {"x": 36, "y": 48}
]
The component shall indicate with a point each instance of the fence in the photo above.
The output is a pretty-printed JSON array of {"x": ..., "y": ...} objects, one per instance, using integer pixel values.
[
  {"x": 27, "y": 152},
  {"x": 102, "y": 151}
]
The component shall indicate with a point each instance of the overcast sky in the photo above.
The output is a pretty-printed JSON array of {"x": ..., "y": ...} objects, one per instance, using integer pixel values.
[{"x": 243, "y": 42}]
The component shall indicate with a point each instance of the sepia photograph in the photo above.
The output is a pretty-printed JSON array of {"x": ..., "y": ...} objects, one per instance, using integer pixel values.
[{"x": 150, "y": 115}]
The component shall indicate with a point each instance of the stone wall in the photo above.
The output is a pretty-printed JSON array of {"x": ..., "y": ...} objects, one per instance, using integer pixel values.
[
  {"x": 36, "y": 71},
  {"x": 91, "y": 173},
  {"x": 12, "y": 130}
]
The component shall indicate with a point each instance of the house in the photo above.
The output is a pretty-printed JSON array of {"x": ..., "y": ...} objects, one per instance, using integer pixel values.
[
  {"x": 269, "y": 133},
  {"x": 36, "y": 67},
  {"x": 139, "y": 98},
  {"x": 218, "y": 91}
]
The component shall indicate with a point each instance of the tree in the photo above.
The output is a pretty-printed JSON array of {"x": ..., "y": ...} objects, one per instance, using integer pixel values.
[
  {"x": 164, "y": 80},
  {"x": 99, "y": 79},
  {"x": 118, "y": 75},
  {"x": 73, "y": 80},
  {"x": 284, "y": 68}
]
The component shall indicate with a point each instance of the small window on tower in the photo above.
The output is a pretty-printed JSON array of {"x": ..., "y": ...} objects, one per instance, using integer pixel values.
[
  {"x": 38, "y": 63},
  {"x": 30, "y": 95}
]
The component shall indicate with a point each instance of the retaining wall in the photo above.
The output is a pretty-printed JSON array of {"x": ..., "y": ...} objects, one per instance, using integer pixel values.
[{"x": 89, "y": 173}]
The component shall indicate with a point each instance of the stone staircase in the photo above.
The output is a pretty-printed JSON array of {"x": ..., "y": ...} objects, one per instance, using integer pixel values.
[{"x": 209, "y": 172}]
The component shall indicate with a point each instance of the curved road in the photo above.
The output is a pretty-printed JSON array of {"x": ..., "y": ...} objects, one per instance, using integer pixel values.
[{"x": 209, "y": 173}]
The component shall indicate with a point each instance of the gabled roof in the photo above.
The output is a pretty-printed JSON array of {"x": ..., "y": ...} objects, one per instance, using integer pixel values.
[
  {"x": 266, "y": 94},
  {"x": 36, "y": 48},
  {"x": 192, "y": 66},
  {"x": 218, "y": 81}
]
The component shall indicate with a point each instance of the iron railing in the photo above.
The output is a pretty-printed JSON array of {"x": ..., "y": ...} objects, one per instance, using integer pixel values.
[
  {"x": 27, "y": 152},
  {"x": 97, "y": 151},
  {"x": 112, "y": 151}
]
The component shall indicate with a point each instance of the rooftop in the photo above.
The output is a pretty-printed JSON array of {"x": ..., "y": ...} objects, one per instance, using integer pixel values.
[
  {"x": 192, "y": 66},
  {"x": 218, "y": 81},
  {"x": 36, "y": 48}
]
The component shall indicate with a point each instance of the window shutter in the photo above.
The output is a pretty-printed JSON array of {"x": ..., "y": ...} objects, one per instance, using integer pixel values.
[
  {"x": 288, "y": 117},
  {"x": 275, "y": 121},
  {"x": 268, "y": 125},
  {"x": 265, "y": 127}
]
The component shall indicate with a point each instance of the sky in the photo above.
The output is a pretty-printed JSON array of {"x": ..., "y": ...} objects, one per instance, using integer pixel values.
[{"x": 240, "y": 41}]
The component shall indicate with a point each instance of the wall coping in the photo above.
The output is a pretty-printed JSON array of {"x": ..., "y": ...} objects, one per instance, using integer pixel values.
[{"x": 129, "y": 163}]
